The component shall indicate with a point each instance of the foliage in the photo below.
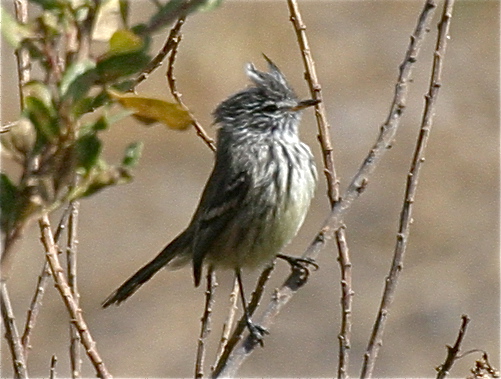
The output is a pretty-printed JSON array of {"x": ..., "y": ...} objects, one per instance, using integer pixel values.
[{"x": 57, "y": 138}]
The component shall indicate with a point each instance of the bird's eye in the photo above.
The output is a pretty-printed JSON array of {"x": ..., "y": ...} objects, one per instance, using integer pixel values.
[{"x": 270, "y": 108}]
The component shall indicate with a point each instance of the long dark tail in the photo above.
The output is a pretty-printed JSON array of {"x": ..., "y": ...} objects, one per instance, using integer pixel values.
[{"x": 177, "y": 247}]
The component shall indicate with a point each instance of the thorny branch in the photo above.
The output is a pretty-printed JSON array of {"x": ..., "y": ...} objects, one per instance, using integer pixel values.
[
  {"x": 256, "y": 296},
  {"x": 453, "y": 352},
  {"x": 175, "y": 93},
  {"x": 42, "y": 282},
  {"x": 206, "y": 323},
  {"x": 358, "y": 184},
  {"x": 164, "y": 51},
  {"x": 391, "y": 281},
  {"x": 71, "y": 258},
  {"x": 71, "y": 305},
  {"x": 12, "y": 334},
  {"x": 324, "y": 137},
  {"x": 230, "y": 319}
]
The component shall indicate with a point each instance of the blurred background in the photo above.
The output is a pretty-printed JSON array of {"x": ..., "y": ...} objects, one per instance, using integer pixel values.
[{"x": 452, "y": 263}]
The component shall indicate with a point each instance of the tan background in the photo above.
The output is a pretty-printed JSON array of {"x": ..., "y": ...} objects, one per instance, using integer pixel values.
[{"x": 452, "y": 264}]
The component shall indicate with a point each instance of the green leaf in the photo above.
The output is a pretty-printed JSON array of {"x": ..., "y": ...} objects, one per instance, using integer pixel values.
[
  {"x": 88, "y": 148},
  {"x": 117, "y": 66},
  {"x": 99, "y": 178},
  {"x": 101, "y": 123},
  {"x": 13, "y": 32},
  {"x": 124, "y": 41},
  {"x": 37, "y": 88},
  {"x": 170, "y": 114},
  {"x": 8, "y": 195},
  {"x": 42, "y": 117},
  {"x": 132, "y": 154},
  {"x": 78, "y": 79}
]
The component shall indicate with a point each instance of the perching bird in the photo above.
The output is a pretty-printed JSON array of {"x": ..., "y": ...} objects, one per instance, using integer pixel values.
[{"x": 259, "y": 191}]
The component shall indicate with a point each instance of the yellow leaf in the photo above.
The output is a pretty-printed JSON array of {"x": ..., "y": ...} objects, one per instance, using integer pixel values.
[
  {"x": 146, "y": 108},
  {"x": 124, "y": 41}
]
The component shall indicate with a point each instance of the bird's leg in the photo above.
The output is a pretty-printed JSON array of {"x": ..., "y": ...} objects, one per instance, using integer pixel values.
[
  {"x": 255, "y": 330},
  {"x": 300, "y": 264}
]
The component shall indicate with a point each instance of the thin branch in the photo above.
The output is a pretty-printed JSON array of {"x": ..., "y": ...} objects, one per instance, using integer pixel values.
[
  {"x": 358, "y": 184},
  {"x": 344, "y": 336},
  {"x": 65, "y": 291},
  {"x": 410, "y": 193},
  {"x": 230, "y": 319},
  {"x": 206, "y": 323},
  {"x": 177, "y": 95},
  {"x": 316, "y": 92},
  {"x": 159, "y": 58},
  {"x": 71, "y": 259},
  {"x": 223, "y": 362},
  {"x": 42, "y": 282},
  {"x": 85, "y": 29},
  {"x": 453, "y": 352},
  {"x": 332, "y": 180},
  {"x": 34, "y": 309},
  {"x": 12, "y": 334},
  {"x": 7, "y": 127},
  {"x": 22, "y": 54},
  {"x": 52, "y": 372}
]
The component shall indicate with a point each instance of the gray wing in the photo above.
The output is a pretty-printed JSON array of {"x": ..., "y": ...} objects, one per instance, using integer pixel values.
[{"x": 222, "y": 198}]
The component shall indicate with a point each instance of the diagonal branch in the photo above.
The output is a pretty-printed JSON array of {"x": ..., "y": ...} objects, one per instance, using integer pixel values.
[
  {"x": 230, "y": 319},
  {"x": 70, "y": 303},
  {"x": 332, "y": 180},
  {"x": 71, "y": 259},
  {"x": 42, "y": 282},
  {"x": 316, "y": 92},
  {"x": 177, "y": 95},
  {"x": 358, "y": 184},
  {"x": 453, "y": 352},
  {"x": 410, "y": 194},
  {"x": 156, "y": 62},
  {"x": 206, "y": 322},
  {"x": 12, "y": 334},
  {"x": 236, "y": 337}
]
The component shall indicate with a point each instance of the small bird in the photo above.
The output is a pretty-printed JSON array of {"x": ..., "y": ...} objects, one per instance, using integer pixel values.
[{"x": 258, "y": 193}]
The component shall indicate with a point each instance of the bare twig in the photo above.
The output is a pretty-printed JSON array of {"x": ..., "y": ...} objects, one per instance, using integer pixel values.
[
  {"x": 206, "y": 321},
  {"x": 316, "y": 92},
  {"x": 71, "y": 259},
  {"x": 230, "y": 319},
  {"x": 34, "y": 308},
  {"x": 22, "y": 54},
  {"x": 52, "y": 372},
  {"x": 175, "y": 93},
  {"x": 7, "y": 127},
  {"x": 358, "y": 184},
  {"x": 410, "y": 192},
  {"x": 223, "y": 362},
  {"x": 344, "y": 336},
  {"x": 12, "y": 334},
  {"x": 65, "y": 291},
  {"x": 453, "y": 352},
  {"x": 159, "y": 58},
  {"x": 332, "y": 180},
  {"x": 36, "y": 301}
]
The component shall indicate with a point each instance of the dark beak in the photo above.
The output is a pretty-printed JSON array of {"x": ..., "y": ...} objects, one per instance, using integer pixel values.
[{"x": 305, "y": 104}]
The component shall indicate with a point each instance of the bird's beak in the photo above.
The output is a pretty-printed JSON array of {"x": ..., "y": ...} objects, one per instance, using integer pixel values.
[{"x": 305, "y": 104}]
